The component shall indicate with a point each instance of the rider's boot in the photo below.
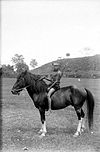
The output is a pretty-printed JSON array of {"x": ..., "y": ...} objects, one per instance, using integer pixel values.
[{"x": 49, "y": 103}]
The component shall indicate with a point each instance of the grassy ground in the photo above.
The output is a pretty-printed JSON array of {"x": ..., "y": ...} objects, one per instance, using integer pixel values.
[{"x": 21, "y": 123}]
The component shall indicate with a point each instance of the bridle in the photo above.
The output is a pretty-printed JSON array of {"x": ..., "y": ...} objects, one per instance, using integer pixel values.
[
  {"x": 23, "y": 88},
  {"x": 17, "y": 91}
]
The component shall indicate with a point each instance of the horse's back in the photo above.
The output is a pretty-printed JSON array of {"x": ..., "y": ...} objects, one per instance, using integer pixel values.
[
  {"x": 66, "y": 96},
  {"x": 78, "y": 89}
]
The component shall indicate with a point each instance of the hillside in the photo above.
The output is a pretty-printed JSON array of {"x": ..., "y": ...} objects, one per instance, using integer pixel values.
[{"x": 86, "y": 67}]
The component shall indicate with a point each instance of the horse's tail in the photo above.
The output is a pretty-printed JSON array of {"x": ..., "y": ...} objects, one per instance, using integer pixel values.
[{"x": 90, "y": 108}]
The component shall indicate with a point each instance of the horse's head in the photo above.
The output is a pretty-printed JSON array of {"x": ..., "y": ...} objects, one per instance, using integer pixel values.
[{"x": 20, "y": 84}]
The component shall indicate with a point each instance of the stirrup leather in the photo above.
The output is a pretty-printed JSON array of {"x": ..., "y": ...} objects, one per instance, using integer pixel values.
[{"x": 49, "y": 103}]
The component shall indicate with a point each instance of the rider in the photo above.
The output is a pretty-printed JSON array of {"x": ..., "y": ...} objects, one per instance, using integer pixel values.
[{"x": 54, "y": 79}]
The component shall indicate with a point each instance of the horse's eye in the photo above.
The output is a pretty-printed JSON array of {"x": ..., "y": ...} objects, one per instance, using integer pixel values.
[{"x": 21, "y": 79}]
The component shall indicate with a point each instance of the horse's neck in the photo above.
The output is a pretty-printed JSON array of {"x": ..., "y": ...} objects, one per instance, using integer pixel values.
[
  {"x": 36, "y": 86},
  {"x": 30, "y": 92}
]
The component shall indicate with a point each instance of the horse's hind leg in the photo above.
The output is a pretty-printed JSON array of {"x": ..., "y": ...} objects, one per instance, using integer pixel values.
[
  {"x": 80, "y": 115},
  {"x": 83, "y": 121}
]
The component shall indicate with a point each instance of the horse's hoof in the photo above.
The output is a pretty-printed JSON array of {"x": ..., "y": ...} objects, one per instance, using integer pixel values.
[
  {"x": 42, "y": 135},
  {"x": 25, "y": 148},
  {"x": 82, "y": 129},
  {"x": 76, "y": 134},
  {"x": 40, "y": 131}
]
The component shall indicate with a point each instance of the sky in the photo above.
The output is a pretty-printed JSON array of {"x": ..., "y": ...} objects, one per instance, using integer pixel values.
[{"x": 47, "y": 30}]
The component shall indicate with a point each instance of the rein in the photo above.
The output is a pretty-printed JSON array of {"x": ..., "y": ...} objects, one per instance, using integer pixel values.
[
  {"x": 18, "y": 90},
  {"x": 23, "y": 88}
]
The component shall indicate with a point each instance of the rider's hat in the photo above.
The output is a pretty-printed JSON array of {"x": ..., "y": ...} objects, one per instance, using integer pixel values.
[{"x": 55, "y": 64}]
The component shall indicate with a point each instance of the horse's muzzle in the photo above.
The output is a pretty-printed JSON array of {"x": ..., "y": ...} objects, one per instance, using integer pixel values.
[{"x": 15, "y": 92}]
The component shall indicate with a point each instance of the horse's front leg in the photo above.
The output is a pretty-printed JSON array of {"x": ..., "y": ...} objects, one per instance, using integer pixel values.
[{"x": 43, "y": 130}]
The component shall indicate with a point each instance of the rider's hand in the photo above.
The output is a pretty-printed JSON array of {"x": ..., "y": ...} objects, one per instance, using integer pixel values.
[
  {"x": 48, "y": 88},
  {"x": 42, "y": 78}
]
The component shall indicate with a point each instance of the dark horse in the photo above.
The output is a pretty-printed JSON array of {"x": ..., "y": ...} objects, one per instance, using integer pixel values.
[{"x": 70, "y": 95}]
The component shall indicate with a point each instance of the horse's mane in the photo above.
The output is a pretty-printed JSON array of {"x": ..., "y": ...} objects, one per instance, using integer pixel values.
[{"x": 35, "y": 82}]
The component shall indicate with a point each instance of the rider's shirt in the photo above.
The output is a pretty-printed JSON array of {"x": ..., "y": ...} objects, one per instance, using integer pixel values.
[{"x": 55, "y": 77}]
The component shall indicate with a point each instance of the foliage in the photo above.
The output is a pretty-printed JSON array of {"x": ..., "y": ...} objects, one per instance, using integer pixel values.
[
  {"x": 7, "y": 71},
  {"x": 21, "y": 67},
  {"x": 67, "y": 54},
  {"x": 18, "y": 59},
  {"x": 86, "y": 67},
  {"x": 33, "y": 63},
  {"x": 19, "y": 64}
]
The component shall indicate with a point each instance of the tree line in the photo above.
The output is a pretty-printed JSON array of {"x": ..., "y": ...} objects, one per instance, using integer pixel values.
[
  {"x": 85, "y": 67},
  {"x": 18, "y": 65}
]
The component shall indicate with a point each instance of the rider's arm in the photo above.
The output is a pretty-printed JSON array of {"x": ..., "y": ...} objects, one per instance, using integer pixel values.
[
  {"x": 44, "y": 77},
  {"x": 48, "y": 79}
]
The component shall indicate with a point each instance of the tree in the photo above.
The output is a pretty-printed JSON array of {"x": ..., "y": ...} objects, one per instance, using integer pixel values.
[
  {"x": 21, "y": 67},
  {"x": 19, "y": 64},
  {"x": 33, "y": 63},
  {"x": 67, "y": 54},
  {"x": 17, "y": 59},
  {"x": 8, "y": 70}
]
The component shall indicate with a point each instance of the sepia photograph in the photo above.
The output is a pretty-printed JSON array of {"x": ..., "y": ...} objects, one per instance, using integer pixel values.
[{"x": 50, "y": 76}]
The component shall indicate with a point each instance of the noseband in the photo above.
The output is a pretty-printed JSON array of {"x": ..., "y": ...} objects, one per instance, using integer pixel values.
[
  {"x": 18, "y": 90},
  {"x": 23, "y": 88}
]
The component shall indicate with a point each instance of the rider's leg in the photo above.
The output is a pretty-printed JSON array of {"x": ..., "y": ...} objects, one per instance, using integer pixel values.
[{"x": 49, "y": 96}]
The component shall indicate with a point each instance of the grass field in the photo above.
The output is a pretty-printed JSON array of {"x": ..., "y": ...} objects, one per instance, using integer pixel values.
[{"x": 21, "y": 123}]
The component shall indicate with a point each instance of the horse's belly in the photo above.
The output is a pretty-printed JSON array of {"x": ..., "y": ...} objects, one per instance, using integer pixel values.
[
  {"x": 57, "y": 107},
  {"x": 60, "y": 99},
  {"x": 58, "y": 104}
]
